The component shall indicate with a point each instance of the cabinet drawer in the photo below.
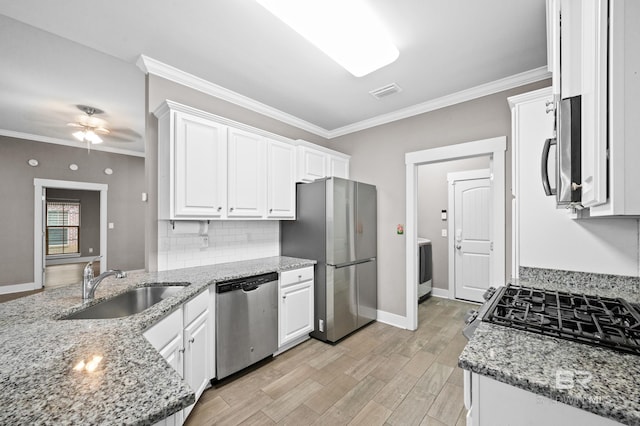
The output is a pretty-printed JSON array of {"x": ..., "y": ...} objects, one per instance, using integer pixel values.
[
  {"x": 296, "y": 276},
  {"x": 164, "y": 331},
  {"x": 195, "y": 307}
]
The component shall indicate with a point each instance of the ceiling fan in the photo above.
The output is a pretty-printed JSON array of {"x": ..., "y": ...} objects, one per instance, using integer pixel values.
[{"x": 89, "y": 126}]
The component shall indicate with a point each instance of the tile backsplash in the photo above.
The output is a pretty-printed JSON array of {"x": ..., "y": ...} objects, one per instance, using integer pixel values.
[{"x": 194, "y": 243}]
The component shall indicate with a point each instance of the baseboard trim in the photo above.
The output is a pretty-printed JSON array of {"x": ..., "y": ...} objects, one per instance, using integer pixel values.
[
  {"x": 17, "y": 288},
  {"x": 392, "y": 319},
  {"x": 440, "y": 292}
]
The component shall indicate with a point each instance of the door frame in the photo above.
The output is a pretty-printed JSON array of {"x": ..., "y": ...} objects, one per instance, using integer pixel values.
[
  {"x": 495, "y": 148},
  {"x": 38, "y": 226},
  {"x": 451, "y": 178}
]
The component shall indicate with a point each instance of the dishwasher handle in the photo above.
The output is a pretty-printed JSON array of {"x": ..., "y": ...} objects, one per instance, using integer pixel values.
[{"x": 249, "y": 287}]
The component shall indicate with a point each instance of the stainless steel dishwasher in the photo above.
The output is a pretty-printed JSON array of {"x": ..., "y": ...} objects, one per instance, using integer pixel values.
[{"x": 246, "y": 322}]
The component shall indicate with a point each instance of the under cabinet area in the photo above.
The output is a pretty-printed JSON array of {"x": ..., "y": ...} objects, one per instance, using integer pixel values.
[
  {"x": 295, "y": 310},
  {"x": 184, "y": 338}
]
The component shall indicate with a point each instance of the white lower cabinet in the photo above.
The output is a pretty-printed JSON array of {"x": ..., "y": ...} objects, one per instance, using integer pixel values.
[
  {"x": 295, "y": 310},
  {"x": 186, "y": 348},
  {"x": 493, "y": 403}
]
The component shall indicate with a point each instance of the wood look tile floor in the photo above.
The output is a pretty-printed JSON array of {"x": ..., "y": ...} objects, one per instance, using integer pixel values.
[{"x": 380, "y": 375}]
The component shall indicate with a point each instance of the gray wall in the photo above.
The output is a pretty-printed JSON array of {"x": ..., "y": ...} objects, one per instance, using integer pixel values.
[
  {"x": 124, "y": 208},
  {"x": 89, "y": 216},
  {"x": 158, "y": 90},
  {"x": 377, "y": 157},
  {"x": 433, "y": 197}
]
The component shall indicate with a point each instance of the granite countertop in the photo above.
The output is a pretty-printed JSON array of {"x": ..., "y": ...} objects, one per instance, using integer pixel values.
[
  {"x": 132, "y": 384},
  {"x": 532, "y": 362}
]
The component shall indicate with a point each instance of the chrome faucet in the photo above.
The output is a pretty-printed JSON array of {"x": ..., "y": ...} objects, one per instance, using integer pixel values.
[{"x": 90, "y": 283}]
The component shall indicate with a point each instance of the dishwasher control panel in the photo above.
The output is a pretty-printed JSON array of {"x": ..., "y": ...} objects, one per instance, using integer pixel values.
[{"x": 247, "y": 283}]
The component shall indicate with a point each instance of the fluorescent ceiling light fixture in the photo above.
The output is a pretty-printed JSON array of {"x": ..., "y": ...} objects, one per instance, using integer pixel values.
[{"x": 346, "y": 30}]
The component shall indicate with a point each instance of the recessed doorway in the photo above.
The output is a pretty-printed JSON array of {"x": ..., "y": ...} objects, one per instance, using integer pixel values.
[{"x": 59, "y": 247}]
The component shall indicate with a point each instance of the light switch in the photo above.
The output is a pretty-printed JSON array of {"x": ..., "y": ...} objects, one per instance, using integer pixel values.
[
  {"x": 111, "y": 226},
  {"x": 144, "y": 197},
  {"x": 444, "y": 233},
  {"x": 443, "y": 215}
]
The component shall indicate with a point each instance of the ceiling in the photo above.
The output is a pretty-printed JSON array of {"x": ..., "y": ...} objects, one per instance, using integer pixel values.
[{"x": 56, "y": 55}]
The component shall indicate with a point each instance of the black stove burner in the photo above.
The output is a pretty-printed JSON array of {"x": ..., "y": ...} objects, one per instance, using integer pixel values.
[{"x": 595, "y": 320}]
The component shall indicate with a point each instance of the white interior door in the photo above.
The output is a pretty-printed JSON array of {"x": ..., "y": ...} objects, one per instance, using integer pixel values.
[{"x": 471, "y": 238}]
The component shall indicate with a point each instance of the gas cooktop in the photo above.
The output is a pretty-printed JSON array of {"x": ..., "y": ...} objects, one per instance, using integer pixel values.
[{"x": 599, "y": 321}]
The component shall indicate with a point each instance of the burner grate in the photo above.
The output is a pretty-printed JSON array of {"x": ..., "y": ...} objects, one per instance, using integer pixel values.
[{"x": 594, "y": 320}]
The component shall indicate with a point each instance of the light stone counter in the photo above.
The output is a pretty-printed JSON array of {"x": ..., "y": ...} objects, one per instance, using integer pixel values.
[
  {"x": 133, "y": 384},
  {"x": 531, "y": 362}
]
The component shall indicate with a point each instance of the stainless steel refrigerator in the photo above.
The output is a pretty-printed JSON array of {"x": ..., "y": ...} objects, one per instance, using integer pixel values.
[{"x": 336, "y": 225}]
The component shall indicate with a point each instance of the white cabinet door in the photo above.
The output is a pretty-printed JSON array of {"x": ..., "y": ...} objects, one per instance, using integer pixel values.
[
  {"x": 246, "y": 194},
  {"x": 173, "y": 353},
  {"x": 281, "y": 186},
  {"x": 200, "y": 159},
  {"x": 312, "y": 164},
  {"x": 339, "y": 167},
  {"x": 594, "y": 15},
  {"x": 196, "y": 359},
  {"x": 296, "y": 310}
]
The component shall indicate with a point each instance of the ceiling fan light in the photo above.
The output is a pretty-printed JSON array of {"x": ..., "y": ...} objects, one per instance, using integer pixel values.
[
  {"x": 92, "y": 137},
  {"x": 346, "y": 31},
  {"x": 79, "y": 135}
]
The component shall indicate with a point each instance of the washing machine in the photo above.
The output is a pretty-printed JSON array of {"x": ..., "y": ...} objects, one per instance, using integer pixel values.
[{"x": 425, "y": 269}]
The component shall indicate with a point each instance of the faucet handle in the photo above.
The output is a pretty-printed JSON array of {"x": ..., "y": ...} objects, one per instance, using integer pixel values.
[{"x": 121, "y": 274}]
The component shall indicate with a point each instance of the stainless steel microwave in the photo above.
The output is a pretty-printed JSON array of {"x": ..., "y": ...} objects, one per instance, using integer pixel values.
[{"x": 567, "y": 155}]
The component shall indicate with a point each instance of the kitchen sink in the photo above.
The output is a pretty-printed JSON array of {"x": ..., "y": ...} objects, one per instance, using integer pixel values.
[{"x": 131, "y": 302}]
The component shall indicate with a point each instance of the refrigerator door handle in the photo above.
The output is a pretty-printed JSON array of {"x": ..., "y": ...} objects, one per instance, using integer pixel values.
[{"x": 343, "y": 265}]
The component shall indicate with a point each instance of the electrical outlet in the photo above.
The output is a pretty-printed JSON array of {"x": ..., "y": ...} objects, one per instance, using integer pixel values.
[
  {"x": 204, "y": 241},
  {"x": 90, "y": 249},
  {"x": 444, "y": 233}
]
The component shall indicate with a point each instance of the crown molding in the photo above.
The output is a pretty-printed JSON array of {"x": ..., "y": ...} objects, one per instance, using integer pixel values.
[
  {"x": 532, "y": 76},
  {"x": 56, "y": 141},
  {"x": 152, "y": 66}
]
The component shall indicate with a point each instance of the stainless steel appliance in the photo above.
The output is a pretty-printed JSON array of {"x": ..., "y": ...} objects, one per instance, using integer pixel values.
[
  {"x": 246, "y": 322},
  {"x": 425, "y": 269},
  {"x": 600, "y": 321},
  {"x": 567, "y": 155},
  {"x": 336, "y": 225}
]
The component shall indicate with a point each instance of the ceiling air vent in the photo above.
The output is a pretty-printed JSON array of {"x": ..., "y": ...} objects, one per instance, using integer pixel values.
[{"x": 385, "y": 91}]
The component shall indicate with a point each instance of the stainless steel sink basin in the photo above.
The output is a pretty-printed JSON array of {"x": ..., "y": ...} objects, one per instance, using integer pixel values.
[{"x": 128, "y": 303}]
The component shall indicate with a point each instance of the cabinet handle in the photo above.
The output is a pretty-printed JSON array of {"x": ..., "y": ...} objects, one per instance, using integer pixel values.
[
  {"x": 270, "y": 210},
  {"x": 193, "y": 339},
  {"x": 181, "y": 350},
  {"x": 284, "y": 296},
  {"x": 299, "y": 277},
  {"x": 230, "y": 209},
  {"x": 219, "y": 208},
  {"x": 544, "y": 167}
]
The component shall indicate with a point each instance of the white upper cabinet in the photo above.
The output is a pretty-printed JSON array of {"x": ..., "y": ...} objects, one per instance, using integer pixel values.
[
  {"x": 281, "y": 177},
  {"x": 210, "y": 167},
  {"x": 192, "y": 168},
  {"x": 339, "y": 167},
  {"x": 313, "y": 164},
  {"x": 246, "y": 174},
  {"x": 316, "y": 162}
]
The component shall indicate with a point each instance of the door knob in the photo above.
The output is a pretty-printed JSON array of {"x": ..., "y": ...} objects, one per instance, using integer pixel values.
[{"x": 458, "y": 246}]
